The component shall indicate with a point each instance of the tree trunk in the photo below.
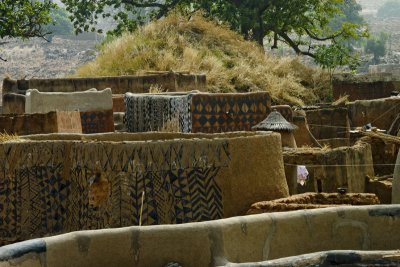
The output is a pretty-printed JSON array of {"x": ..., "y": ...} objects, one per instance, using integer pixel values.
[{"x": 396, "y": 182}]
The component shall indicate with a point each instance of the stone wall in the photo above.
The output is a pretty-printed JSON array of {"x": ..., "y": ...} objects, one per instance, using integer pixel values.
[
  {"x": 236, "y": 240},
  {"x": 333, "y": 168},
  {"x": 52, "y": 122},
  {"x": 61, "y": 183},
  {"x": 365, "y": 87},
  {"x": 168, "y": 81}
]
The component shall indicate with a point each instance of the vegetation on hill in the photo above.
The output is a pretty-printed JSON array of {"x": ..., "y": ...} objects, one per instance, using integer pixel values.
[
  {"x": 24, "y": 18},
  {"x": 199, "y": 45},
  {"x": 303, "y": 25}
]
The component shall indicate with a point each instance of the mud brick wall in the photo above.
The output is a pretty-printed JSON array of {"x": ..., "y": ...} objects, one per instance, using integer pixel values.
[
  {"x": 333, "y": 168},
  {"x": 328, "y": 123},
  {"x": 56, "y": 186},
  {"x": 13, "y": 103},
  {"x": 118, "y": 103},
  {"x": 52, "y": 122},
  {"x": 384, "y": 155},
  {"x": 168, "y": 81},
  {"x": 380, "y": 112},
  {"x": 364, "y": 90},
  {"x": 91, "y": 100},
  {"x": 97, "y": 121}
]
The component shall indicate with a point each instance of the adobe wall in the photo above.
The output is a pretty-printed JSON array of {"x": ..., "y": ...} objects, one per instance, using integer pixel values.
[
  {"x": 302, "y": 135},
  {"x": 55, "y": 186},
  {"x": 246, "y": 239},
  {"x": 396, "y": 182},
  {"x": 13, "y": 103},
  {"x": 169, "y": 81},
  {"x": 334, "y": 168},
  {"x": 91, "y": 100},
  {"x": 380, "y": 112},
  {"x": 329, "y": 122},
  {"x": 52, "y": 122},
  {"x": 365, "y": 87},
  {"x": 196, "y": 112}
]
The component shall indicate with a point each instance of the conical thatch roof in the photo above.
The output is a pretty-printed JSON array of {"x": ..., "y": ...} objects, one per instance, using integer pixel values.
[{"x": 275, "y": 122}]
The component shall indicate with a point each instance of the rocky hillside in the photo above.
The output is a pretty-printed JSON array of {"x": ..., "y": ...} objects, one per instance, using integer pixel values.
[
  {"x": 38, "y": 58},
  {"x": 388, "y": 25}
]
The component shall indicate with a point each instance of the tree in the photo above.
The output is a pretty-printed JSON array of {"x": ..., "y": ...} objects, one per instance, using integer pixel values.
[
  {"x": 24, "y": 18},
  {"x": 389, "y": 9},
  {"x": 61, "y": 24},
  {"x": 377, "y": 46},
  {"x": 303, "y": 25}
]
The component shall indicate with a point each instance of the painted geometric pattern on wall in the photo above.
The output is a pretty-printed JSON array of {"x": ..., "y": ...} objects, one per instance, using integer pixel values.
[
  {"x": 45, "y": 188},
  {"x": 213, "y": 113}
]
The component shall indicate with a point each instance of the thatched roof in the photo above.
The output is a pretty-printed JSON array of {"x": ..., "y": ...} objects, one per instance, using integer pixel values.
[{"x": 275, "y": 122}]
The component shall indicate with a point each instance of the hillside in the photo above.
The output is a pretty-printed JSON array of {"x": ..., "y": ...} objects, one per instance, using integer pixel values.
[{"x": 201, "y": 46}]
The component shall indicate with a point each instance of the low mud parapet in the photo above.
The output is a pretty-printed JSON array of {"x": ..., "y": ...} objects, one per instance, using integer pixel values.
[{"x": 253, "y": 238}]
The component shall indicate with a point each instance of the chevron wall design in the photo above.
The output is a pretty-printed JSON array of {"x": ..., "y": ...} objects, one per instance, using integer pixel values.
[{"x": 45, "y": 186}]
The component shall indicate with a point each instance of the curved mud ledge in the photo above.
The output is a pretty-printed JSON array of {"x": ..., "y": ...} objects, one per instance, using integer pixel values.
[
  {"x": 254, "y": 238},
  {"x": 332, "y": 258}
]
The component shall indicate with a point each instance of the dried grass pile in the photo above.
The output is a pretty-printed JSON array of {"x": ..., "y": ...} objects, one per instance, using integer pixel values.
[
  {"x": 4, "y": 137},
  {"x": 199, "y": 45}
]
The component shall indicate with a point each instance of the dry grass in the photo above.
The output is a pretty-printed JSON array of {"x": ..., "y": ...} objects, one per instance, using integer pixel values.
[
  {"x": 341, "y": 101},
  {"x": 4, "y": 137},
  {"x": 199, "y": 45},
  {"x": 171, "y": 126}
]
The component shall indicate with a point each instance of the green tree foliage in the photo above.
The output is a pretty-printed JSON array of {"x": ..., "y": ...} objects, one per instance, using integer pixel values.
[
  {"x": 303, "y": 25},
  {"x": 377, "y": 46},
  {"x": 24, "y": 18},
  {"x": 61, "y": 24},
  {"x": 389, "y": 9},
  {"x": 349, "y": 12}
]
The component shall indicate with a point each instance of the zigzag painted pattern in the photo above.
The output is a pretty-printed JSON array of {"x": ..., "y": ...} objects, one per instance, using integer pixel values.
[{"x": 50, "y": 194}]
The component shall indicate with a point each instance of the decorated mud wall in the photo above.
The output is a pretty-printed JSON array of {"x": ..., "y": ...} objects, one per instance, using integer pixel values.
[
  {"x": 58, "y": 185},
  {"x": 235, "y": 240},
  {"x": 333, "y": 168},
  {"x": 365, "y": 87},
  {"x": 196, "y": 112},
  {"x": 167, "y": 81}
]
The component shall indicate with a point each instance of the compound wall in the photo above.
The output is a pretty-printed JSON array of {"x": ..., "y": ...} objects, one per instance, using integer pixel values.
[
  {"x": 54, "y": 185},
  {"x": 242, "y": 239},
  {"x": 168, "y": 81}
]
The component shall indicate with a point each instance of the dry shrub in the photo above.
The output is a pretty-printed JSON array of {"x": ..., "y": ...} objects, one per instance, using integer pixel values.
[{"x": 199, "y": 45}]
